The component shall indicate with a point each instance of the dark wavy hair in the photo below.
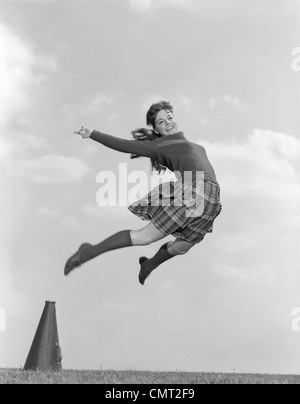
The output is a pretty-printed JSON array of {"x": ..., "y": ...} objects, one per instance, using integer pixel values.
[{"x": 143, "y": 134}]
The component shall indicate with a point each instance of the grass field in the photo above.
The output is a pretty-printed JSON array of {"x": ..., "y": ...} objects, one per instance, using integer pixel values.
[{"x": 13, "y": 376}]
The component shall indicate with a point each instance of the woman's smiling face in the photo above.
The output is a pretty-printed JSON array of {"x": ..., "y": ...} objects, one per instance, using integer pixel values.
[{"x": 165, "y": 123}]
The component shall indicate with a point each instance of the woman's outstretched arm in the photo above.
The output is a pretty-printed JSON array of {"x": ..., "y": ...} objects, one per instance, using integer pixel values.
[{"x": 141, "y": 148}]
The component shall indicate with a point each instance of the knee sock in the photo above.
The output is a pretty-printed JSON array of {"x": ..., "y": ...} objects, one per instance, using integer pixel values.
[
  {"x": 117, "y": 241},
  {"x": 163, "y": 255}
]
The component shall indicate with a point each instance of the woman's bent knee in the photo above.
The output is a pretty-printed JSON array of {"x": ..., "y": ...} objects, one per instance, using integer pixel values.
[
  {"x": 180, "y": 248},
  {"x": 177, "y": 251},
  {"x": 148, "y": 235},
  {"x": 139, "y": 238}
]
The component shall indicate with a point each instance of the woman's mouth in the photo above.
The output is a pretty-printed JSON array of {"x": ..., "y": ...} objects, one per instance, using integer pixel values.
[{"x": 170, "y": 128}]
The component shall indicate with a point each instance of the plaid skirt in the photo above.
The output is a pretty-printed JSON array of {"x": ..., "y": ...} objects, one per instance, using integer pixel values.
[{"x": 184, "y": 210}]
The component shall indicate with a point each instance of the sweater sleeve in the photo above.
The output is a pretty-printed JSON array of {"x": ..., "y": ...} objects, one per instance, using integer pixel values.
[{"x": 142, "y": 148}]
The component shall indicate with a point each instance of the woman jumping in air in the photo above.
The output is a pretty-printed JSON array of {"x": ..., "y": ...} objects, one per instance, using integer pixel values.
[{"x": 170, "y": 207}]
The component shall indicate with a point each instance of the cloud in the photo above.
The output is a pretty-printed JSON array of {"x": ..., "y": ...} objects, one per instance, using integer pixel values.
[
  {"x": 258, "y": 273},
  {"x": 97, "y": 103},
  {"x": 71, "y": 221},
  {"x": 267, "y": 163},
  {"x": 227, "y": 100},
  {"x": 260, "y": 224},
  {"x": 90, "y": 106},
  {"x": 16, "y": 64},
  {"x": 146, "y": 5},
  {"x": 35, "y": 1},
  {"x": 141, "y": 5},
  {"x": 54, "y": 169},
  {"x": 48, "y": 213},
  {"x": 58, "y": 218},
  {"x": 17, "y": 147},
  {"x": 21, "y": 73}
]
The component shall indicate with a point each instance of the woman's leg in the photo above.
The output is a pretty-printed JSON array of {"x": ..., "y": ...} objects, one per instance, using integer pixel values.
[
  {"x": 122, "y": 239},
  {"x": 166, "y": 252},
  {"x": 148, "y": 235},
  {"x": 179, "y": 247},
  {"x": 126, "y": 238}
]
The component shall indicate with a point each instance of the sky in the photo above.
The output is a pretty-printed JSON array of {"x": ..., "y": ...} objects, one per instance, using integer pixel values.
[{"x": 230, "y": 69}]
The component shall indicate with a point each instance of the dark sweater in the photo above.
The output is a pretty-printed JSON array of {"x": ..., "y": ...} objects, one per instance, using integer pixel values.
[{"x": 173, "y": 151}]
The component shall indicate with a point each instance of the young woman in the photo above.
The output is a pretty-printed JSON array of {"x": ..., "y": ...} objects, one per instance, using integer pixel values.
[{"x": 167, "y": 147}]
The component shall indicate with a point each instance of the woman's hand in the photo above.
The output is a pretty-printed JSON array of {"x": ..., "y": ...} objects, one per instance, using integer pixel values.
[{"x": 85, "y": 133}]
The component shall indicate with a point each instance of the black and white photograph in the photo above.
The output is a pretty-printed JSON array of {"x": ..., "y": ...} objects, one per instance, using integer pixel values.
[{"x": 150, "y": 194}]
